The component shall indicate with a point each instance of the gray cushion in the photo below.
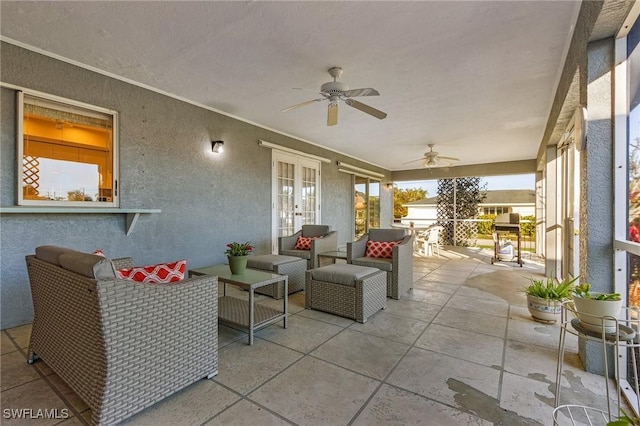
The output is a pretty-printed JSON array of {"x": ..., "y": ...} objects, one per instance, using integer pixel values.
[
  {"x": 89, "y": 265},
  {"x": 386, "y": 234},
  {"x": 375, "y": 262},
  {"x": 268, "y": 261},
  {"x": 50, "y": 253},
  {"x": 305, "y": 254},
  {"x": 315, "y": 230},
  {"x": 341, "y": 273}
]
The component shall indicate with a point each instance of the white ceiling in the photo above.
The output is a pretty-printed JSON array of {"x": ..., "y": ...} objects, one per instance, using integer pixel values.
[{"x": 477, "y": 78}]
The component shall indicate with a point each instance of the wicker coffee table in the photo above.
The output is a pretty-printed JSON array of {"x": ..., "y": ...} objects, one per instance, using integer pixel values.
[{"x": 244, "y": 314}]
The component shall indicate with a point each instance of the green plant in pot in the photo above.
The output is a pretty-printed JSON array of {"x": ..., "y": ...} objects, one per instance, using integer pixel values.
[
  {"x": 545, "y": 297},
  {"x": 237, "y": 254},
  {"x": 594, "y": 308}
]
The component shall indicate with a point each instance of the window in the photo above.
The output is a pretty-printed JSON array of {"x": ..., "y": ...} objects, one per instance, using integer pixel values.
[
  {"x": 67, "y": 153},
  {"x": 496, "y": 210}
]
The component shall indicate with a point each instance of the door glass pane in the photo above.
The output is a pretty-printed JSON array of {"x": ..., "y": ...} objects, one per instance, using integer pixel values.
[
  {"x": 360, "y": 206},
  {"x": 309, "y": 199},
  {"x": 285, "y": 193},
  {"x": 633, "y": 141},
  {"x": 374, "y": 204},
  {"x": 633, "y": 71}
]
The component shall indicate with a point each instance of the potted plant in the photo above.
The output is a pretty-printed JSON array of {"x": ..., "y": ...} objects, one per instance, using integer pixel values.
[
  {"x": 544, "y": 298},
  {"x": 237, "y": 254},
  {"x": 593, "y": 308}
]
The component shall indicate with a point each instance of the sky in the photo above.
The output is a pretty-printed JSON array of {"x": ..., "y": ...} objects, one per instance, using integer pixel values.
[{"x": 526, "y": 181}]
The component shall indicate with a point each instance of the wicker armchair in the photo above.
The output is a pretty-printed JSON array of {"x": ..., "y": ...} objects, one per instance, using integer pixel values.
[
  {"x": 399, "y": 268},
  {"x": 328, "y": 242},
  {"x": 120, "y": 345}
]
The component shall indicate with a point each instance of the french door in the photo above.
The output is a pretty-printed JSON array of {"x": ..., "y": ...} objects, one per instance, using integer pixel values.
[{"x": 295, "y": 194}]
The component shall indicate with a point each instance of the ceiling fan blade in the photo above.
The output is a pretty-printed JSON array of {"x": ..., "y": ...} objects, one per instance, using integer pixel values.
[
  {"x": 367, "y": 91},
  {"x": 332, "y": 115},
  {"x": 302, "y": 104},
  {"x": 449, "y": 158},
  {"x": 413, "y": 161},
  {"x": 366, "y": 108},
  {"x": 311, "y": 90}
]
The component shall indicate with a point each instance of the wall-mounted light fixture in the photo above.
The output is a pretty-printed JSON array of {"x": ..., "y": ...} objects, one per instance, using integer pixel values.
[{"x": 216, "y": 146}]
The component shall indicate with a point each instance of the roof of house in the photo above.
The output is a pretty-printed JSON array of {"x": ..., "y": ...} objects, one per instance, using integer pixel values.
[{"x": 499, "y": 196}]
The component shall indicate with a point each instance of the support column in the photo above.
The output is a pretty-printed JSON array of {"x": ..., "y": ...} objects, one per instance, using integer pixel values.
[{"x": 597, "y": 187}]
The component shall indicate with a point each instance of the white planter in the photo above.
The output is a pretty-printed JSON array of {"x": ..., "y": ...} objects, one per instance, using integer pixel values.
[
  {"x": 592, "y": 313},
  {"x": 544, "y": 310}
]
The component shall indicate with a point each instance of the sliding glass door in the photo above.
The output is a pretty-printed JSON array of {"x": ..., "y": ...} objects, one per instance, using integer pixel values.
[{"x": 366, "y": 205}]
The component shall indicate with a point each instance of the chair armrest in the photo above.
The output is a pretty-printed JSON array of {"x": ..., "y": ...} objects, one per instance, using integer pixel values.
[
  {"x": 357, "y": 248},
  {"x": 123, "y": 262},
  {"x": 404, "y": 248},
  {"x": 327, "y": 243},
  {"x": 289, "y": 242}
]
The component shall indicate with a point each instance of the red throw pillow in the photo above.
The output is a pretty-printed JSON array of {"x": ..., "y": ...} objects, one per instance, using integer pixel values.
[
  {"x": 381, "y": 249},
  {"x": 151, "y": 274},
  {"x": 304, "y": 243}
]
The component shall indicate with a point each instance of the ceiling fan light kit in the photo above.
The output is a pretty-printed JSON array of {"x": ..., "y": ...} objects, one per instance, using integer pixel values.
[
  {"x": 336, "y": 91},
  {"x": 433, "y": 159}
]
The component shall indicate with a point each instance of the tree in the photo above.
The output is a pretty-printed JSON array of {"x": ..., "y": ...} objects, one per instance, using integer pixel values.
[{"x": 404, "y": 196}]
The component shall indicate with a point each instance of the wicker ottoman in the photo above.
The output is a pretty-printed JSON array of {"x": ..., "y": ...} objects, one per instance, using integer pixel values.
[
  {"x": 293, "y": 267},
  {"x": 351, "y": 291}
]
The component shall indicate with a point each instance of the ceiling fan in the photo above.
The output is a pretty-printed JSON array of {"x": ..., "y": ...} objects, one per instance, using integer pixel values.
[
  {"x": 335, "y": 91},
  {"x": 433, "y": 159}
]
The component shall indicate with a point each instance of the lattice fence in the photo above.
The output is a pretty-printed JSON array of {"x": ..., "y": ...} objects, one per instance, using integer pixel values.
[
  {"x": 459, "y": 199},
  {"x": 31, "y": 175}
]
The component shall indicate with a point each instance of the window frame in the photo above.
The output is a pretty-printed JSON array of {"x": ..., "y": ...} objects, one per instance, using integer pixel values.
[{"x": 21, "y": 201}]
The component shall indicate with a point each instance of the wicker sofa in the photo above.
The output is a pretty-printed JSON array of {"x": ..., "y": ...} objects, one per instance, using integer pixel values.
[{"x": 120, "y": 345}]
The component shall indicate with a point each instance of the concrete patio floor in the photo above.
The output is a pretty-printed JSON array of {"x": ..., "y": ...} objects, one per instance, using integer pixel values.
[{"x": 460, "y": 348}]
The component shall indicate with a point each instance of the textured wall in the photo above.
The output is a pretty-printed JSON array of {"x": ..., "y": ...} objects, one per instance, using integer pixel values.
[{"x": 165, "y": 163}]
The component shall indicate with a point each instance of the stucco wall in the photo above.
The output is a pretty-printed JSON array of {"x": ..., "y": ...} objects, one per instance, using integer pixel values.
[{"x": 206, "y": 200}]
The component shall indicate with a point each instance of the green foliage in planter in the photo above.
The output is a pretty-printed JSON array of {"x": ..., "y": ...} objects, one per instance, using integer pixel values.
[
  {"x": 624, "y": 420},
  {"x": 583, "y": 289},
  {"x": 550, "y": 289}
]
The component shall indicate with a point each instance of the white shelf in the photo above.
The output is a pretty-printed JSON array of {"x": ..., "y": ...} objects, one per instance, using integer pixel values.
[{"x": 132, "y": 215}]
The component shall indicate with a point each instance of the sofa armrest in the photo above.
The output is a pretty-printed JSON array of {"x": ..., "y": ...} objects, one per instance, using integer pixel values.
[
  {"x": 327, "y": 243},
  {"x": 357, "y": 248},
  {"x": 289, "y": 242}
]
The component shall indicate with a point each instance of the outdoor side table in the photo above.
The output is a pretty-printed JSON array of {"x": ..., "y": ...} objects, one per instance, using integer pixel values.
[
  {"x": 243, "y": 314},
  {"x": 333, "y": 256}
]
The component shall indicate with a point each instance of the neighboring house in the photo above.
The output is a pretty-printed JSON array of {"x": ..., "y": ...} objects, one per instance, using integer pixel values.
[{"x": 425, "y": 212}]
